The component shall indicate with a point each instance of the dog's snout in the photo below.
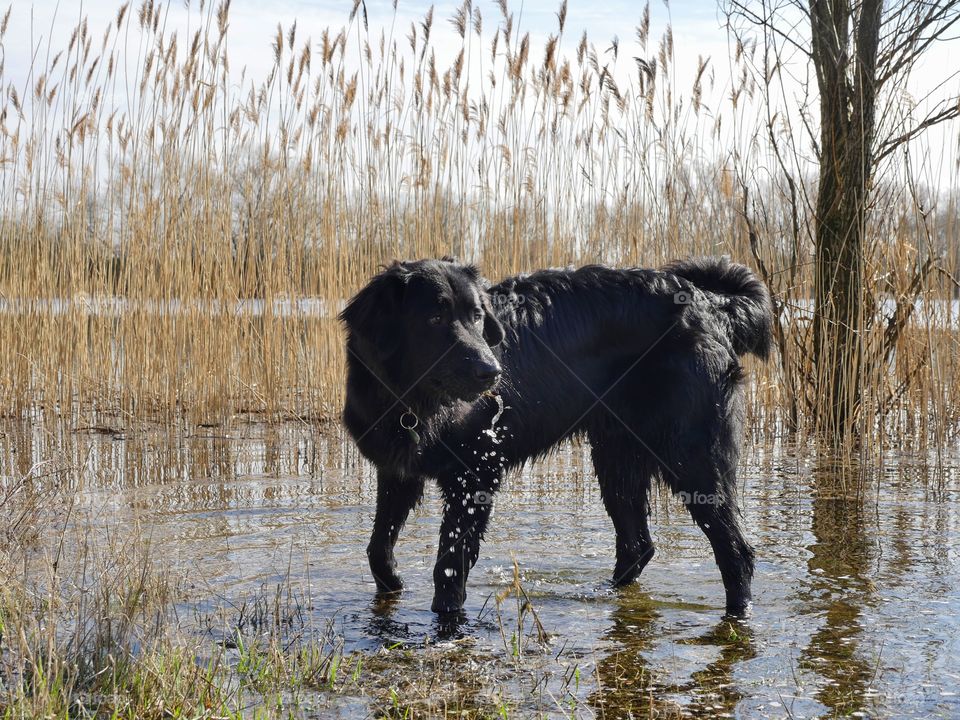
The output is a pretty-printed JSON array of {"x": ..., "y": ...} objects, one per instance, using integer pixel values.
[{"x": 486, "y": 371}]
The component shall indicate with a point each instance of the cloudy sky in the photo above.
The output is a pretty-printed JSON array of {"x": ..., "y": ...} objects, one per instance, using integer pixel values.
[{"x": 698, "y": 26}]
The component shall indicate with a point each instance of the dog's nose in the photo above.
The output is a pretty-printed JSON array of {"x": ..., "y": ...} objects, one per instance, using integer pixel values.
[{"x": 485, "y": 371}]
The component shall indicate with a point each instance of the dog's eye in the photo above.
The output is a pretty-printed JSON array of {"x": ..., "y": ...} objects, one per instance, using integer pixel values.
[
  {"x": 436, "y": 319},
  {"x": 477, "y": 315}
]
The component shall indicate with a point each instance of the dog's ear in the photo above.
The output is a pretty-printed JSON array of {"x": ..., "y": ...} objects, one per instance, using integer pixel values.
[
  {"x": 492, "y": 329},
  {"x": 371, "y": 316}
]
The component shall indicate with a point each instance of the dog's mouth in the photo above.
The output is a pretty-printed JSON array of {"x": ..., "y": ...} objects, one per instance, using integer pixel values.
[
  {"x": 481, "y": 389},
  {"x": 452, "y": 389}
]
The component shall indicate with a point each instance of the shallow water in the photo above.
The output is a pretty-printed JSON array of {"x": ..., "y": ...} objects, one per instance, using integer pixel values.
[{"x": 856, "y": 595}]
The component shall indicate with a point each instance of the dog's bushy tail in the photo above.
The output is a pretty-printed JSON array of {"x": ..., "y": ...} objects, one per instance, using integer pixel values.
[{"x": 743, "y": 298}]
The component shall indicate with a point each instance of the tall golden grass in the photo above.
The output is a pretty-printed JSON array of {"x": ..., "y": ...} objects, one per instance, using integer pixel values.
[{"x": 161, "y": 218}]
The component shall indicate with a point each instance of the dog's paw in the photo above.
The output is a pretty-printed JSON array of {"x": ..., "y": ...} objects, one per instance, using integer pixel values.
[
  {"x": 629, "y": 567},
  {"x": 739, "y": 608},
  {"x": 383, "y": 567},
  {"x": 447, "y": 604},
  {"x": 622, "y": 578},
  {"x": 394, "y": 587},
  {"x": 388, "y": 582}
]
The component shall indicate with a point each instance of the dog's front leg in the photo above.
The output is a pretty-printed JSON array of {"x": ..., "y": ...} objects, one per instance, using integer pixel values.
[
  {"x": 396, "y": 497},
  {"x": 466, "y": 510}
]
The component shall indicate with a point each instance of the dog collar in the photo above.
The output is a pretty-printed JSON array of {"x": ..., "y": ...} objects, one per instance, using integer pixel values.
[{"x": 409, "y": 422}]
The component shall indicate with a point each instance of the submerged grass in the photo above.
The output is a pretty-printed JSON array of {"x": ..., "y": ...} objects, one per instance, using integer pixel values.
[
  {"x": 92, "y": 625},
  {"x": 148, "y": 191}
]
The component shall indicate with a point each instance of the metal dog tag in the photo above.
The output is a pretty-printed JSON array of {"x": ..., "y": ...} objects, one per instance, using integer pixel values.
[{"x": 409, "y": 422}]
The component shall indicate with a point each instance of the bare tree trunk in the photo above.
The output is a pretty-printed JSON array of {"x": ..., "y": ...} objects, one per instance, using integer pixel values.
[
  {"x": 847, "y": 110},
  {"x": 855, "y": 48}
]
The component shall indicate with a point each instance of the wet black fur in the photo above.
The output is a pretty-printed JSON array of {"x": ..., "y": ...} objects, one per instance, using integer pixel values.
[{"x": 644, "y": 363}]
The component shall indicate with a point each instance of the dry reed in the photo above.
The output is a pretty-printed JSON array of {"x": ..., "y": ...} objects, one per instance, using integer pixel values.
[{"x": 162, "y": 223}]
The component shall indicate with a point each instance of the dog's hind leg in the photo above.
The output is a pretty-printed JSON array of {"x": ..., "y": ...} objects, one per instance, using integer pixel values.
[
  {"x": 396, "y": 497},
  {"x": 707, "y": 485},
  {"x": 720, "y": 522},
  {"x": 698, "y": 458},
  {"x": 624, "y": 480}
]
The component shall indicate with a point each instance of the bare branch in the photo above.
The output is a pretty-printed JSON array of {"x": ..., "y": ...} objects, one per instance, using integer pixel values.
[
  {"x": 951, "y": 112},
  {"x": 916, "y": 36},
  {"x": 766, "y": 21}
]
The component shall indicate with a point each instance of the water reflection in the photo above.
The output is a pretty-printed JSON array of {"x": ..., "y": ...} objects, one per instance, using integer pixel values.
[
  {"x": 630, "y": 683},
  {"x": 857, "y": 589},
  {"x": 838, "y": 589},
  {"x": 382, "y": 625},
  {"x": 625, "y": 679},
  {"x": 715, "y": 692}
]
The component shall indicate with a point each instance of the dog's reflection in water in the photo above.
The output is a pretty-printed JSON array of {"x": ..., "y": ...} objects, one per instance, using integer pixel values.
[
  {"x": 631, "y": 683},
  {"x": 382, "y": 624}
]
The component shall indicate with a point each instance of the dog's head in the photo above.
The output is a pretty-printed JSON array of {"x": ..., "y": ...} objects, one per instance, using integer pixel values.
[{"x": 426, "y": 325}]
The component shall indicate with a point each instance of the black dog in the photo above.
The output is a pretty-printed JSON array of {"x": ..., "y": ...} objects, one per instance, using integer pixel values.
[{"x": 453, "y": 380}]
